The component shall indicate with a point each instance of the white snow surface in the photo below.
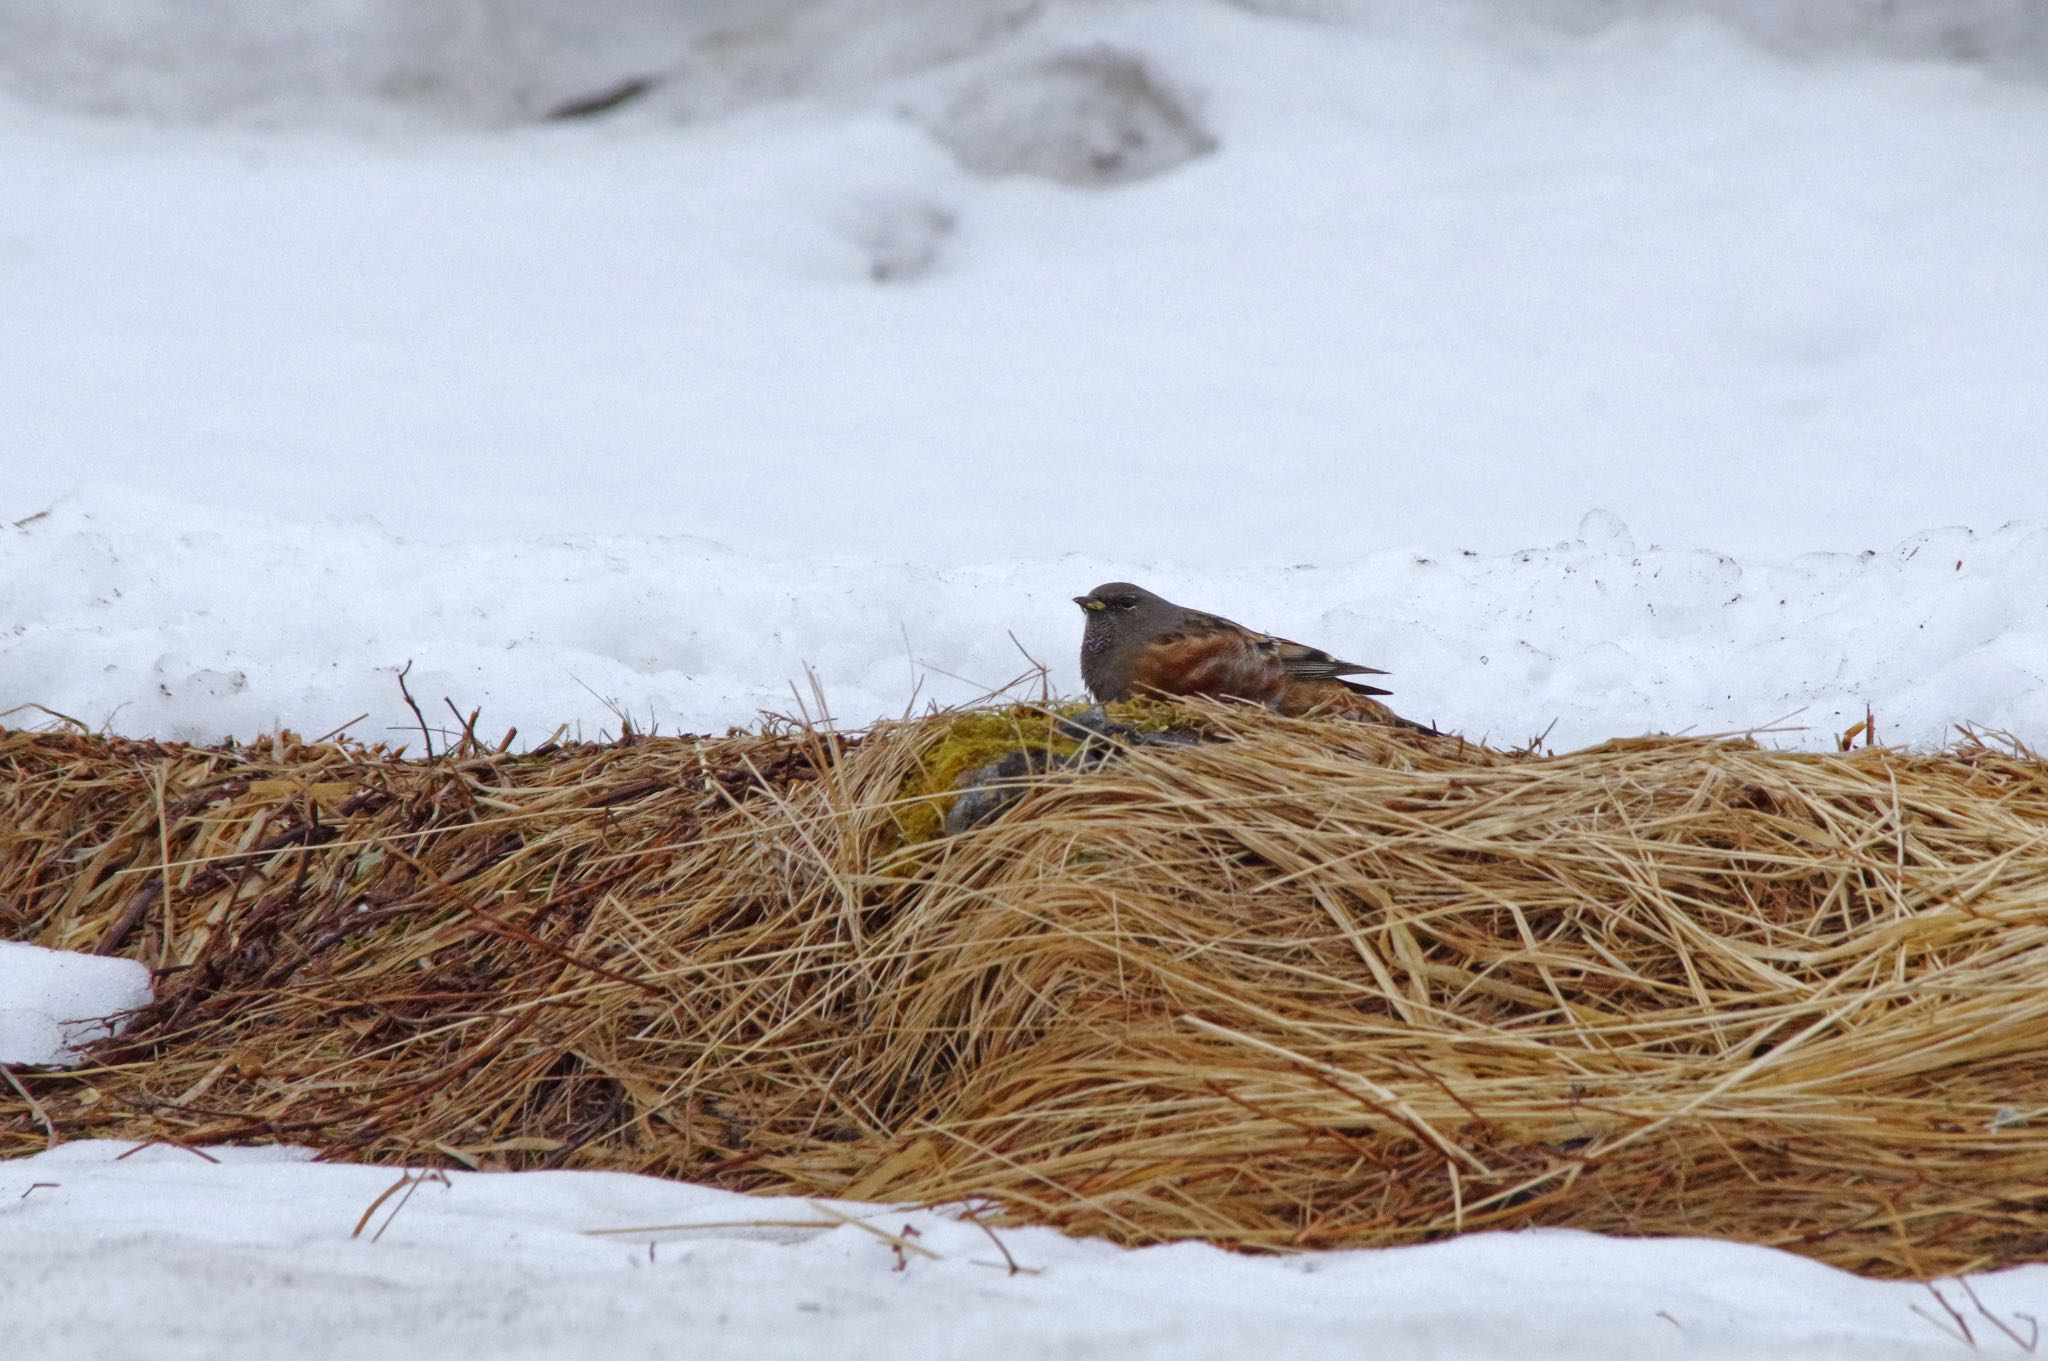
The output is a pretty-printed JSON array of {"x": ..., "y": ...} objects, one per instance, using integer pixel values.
[
  {"x": 164, "y": 1254},
  {"x": 160, "y": 618},
  {"x": 55, "y": 1002},
  {"x": 1593, "y": 367},
  {"x": 1445, "y": 283}
]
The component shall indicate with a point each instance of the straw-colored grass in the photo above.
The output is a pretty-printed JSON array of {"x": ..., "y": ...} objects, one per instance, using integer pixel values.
[{"x": 1317, "y": 985}]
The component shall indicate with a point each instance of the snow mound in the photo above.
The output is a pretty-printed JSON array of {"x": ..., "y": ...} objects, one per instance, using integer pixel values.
[
  {"x": 54, "y": 1002},
  {"x": 1098, "y": 117},
  {"x": 900, "y": 238},
  {"x": 163, "y": 619},
  {"x": 506, "y": 1267}
]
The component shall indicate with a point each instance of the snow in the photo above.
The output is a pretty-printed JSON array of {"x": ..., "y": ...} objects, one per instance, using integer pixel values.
[
  {"x": 1447, "y": 289},
  {"x": 54, "y": 1002},
  {"x": 162, "y": 1253},
  {"x": 154, "y": 617},
  {"x": 1595, "y": 368}
]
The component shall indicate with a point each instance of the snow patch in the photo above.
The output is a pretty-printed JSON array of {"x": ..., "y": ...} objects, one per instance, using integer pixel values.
[
  {"x": 125, "y": 618},
  {"x": 532, "y": 1264},
  {"x": 53, "y": 1002}
]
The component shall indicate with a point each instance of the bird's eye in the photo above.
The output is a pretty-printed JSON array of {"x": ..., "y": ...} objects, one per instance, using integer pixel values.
[{"x": 1127, "y": 602}]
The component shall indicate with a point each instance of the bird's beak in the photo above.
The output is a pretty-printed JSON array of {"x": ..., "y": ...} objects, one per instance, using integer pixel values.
[{"x": 1089, "y": 602}]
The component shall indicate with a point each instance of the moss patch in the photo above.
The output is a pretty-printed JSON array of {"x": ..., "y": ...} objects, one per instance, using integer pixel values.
[{"x": 968, "y": 741}]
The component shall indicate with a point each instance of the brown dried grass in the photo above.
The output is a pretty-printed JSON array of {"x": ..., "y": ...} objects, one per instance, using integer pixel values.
[{"x": 1319, "y": 985}]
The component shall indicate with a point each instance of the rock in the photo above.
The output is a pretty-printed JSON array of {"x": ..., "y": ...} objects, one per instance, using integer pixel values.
[{"x": 1095, "y": 117}]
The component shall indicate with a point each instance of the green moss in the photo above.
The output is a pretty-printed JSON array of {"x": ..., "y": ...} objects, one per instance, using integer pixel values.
[
  {"x": 969, "y": 741},
  {"x": 1153, "y": 715},
  {"x": 981, "y": 737}
]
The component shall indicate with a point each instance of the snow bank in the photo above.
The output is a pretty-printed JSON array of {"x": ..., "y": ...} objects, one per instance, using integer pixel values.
[
  {"x": 53, "y": 1002},
  {"x": 159, "y": 619},
  {"x": 503, "y": 1266},
  {"x": 451, "y": 61}
]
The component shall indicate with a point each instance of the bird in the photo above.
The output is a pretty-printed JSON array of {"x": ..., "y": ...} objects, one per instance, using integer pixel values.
[{"x": 1139, "y": 643}]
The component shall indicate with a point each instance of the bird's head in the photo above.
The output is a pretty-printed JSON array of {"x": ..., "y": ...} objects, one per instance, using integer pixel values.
[
  {"x": 1117, "y": 609},
  {"x": 1115, "y": 597}
]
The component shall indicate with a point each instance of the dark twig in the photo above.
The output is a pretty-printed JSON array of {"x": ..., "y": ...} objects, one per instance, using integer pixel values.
[
  {"x": 1044, "y": 674},
  {"x": 602, "y": 101},
  {"x": 169, "y": 1143},
  {"x": 138, "y": 903},
  {"x": 973, "y": 1216},
  {"x": 1962, "y": 1324},
  {"x": 2032, "y": 1339},
  {"x": 425, "y": 736}
]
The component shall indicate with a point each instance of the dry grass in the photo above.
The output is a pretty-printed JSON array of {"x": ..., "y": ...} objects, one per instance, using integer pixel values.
[{"x": 1318, "y": 985}]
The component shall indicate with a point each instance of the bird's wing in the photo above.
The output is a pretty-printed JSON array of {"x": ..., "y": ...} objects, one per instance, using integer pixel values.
[
  {"x": 1195, "y": 624},
  {"x": 1312, "y": 663},
  {"x": 1296, "y": 661},
  {"x": 1205, "y": 654}
]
